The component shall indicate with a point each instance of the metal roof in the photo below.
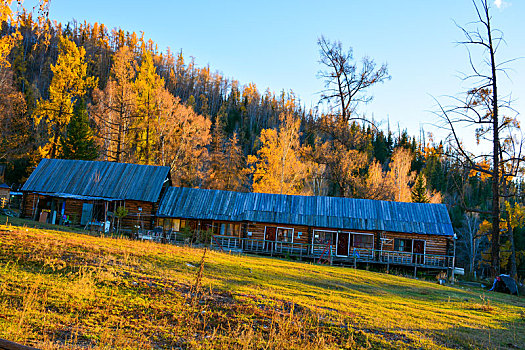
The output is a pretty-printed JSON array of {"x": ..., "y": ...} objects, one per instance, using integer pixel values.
[
  {"x": 97, "y": 179},
  {"x": 315, "y": 211}
]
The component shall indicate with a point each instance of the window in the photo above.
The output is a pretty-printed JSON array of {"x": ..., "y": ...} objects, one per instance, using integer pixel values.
[
  {"x": 322, "y": 237},
  {"x": 166, "y": 225},
  {"x": 362, "y": 241},
  {"x": 216, "y": 227},
  {"x": 230, "y": 229},
  {"x": 237, "y": 230},
  {"x": 284, "y": 234},
  {"x": 170, "y": 224},
  {"x": 176, "y": 225},
  {"x": 402, "y": 245}
]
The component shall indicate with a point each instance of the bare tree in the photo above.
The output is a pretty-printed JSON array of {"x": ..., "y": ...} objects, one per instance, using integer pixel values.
[
  {"x": 470, "y": 239},
  {"x": 346, "y": 82},
  {"x": 485, "y": 110}
]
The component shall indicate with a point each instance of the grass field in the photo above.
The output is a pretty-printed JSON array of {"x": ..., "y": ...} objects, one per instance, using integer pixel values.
[{"x": 69, "y": 290}]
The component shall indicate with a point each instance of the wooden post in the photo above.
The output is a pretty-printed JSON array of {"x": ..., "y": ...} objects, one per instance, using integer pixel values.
[
  {"x": 35, "y": 208},
  {"x": 454, "y": 259},
  {"x": 415, "y": 270},
  {"x": 105, "y": 217},
  {"x": 380, "y": 256},
  {"x": 331, "y": 256},
  {"x": 112, "y": 226}
]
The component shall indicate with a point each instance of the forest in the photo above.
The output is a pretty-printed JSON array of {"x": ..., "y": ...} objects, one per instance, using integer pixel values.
[{"x": 84, "y": 91}]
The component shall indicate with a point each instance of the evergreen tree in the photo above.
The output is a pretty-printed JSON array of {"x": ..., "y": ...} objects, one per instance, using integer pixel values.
[
  {"x": 382, "y": 147},
  {"x": 419, "y": 192},
  {"x": 227, "y": 163},
  {"x": 79, "y": 142}
]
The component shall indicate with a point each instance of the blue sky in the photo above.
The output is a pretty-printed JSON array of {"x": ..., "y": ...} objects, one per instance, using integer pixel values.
[{"x": 273, "y": 43}]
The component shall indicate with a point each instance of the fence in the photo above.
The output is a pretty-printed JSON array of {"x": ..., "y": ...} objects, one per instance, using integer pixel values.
[{"x": 323, "y": 251}]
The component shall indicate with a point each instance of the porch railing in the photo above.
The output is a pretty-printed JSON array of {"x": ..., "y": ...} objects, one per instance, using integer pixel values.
[
  {"x": 317, "y": 251},
  {"x": 160, "y": 236}
]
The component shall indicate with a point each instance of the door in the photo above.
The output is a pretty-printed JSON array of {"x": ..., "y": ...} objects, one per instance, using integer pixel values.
[
  {"x": 342, "y": 244},
  {"x": 87, "y": 213},
  {"x": 419, "y": 250},
  {"x": 270, "y": 236}
]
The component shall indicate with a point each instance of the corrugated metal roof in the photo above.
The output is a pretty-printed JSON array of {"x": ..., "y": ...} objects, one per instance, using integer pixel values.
[
  {"x": 76, "y": 196},
  {"x": 316, "y": 211},
  {"x": 98, "y": 179}
]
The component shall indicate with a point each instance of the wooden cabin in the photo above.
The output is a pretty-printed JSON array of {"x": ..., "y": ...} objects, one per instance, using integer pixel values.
[
  {"x": 339, "y": 230},
  {"x": 89, "y": 193},
  {"x": 5, "y": 194}
]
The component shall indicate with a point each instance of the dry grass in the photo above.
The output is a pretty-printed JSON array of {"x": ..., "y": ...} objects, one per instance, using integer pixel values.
[{"x": 73, "y": 291}]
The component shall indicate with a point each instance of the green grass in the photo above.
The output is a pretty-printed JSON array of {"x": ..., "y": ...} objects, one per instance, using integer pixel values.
[{"x": 67, "y": 290}]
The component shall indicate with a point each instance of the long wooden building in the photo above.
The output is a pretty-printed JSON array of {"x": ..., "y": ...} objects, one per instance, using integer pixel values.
[
  {"x": 334, "y": 229},
  {"x": 88, "y": 193},
  {"x": 343, "y": 230}
]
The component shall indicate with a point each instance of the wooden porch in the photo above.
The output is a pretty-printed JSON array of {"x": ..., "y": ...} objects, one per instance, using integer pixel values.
[{"x": 326, "y": 253}]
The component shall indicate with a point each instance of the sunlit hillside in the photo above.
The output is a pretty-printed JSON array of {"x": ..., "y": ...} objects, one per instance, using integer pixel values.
[{"x": 68, "y": 290}]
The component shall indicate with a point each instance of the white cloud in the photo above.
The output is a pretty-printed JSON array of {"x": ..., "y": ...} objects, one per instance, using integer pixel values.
[{"x": 501, "y": 4}]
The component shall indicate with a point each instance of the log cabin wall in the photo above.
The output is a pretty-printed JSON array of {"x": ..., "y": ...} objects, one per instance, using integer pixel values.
[
  {"x": 33, "y": 201},
  {"x": 137, "y": 217},
  {"x": 257, "y": 231},
  {"x": 434, "y": 244},
  {"x": 28, "y": 203},
  {"x": 73, "y": 210}
]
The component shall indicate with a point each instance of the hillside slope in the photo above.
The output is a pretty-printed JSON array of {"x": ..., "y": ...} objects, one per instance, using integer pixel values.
[{"x": 70, "y": 290}]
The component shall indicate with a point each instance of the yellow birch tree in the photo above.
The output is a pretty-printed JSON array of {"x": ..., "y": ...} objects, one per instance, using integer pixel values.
[
  {"x": 278, "y": 167},
  {"x": 400, "y": 175}
]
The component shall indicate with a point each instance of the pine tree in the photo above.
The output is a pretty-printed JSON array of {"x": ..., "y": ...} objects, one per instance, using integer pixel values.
[
  {"x": 419, "y": 192},
  {"x": 227, "y": 163},
  {"x": 79, "y": 142}
]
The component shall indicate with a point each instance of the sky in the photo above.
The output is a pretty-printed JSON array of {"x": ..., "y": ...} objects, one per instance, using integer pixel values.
[{"x": 273, "y": 44}]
